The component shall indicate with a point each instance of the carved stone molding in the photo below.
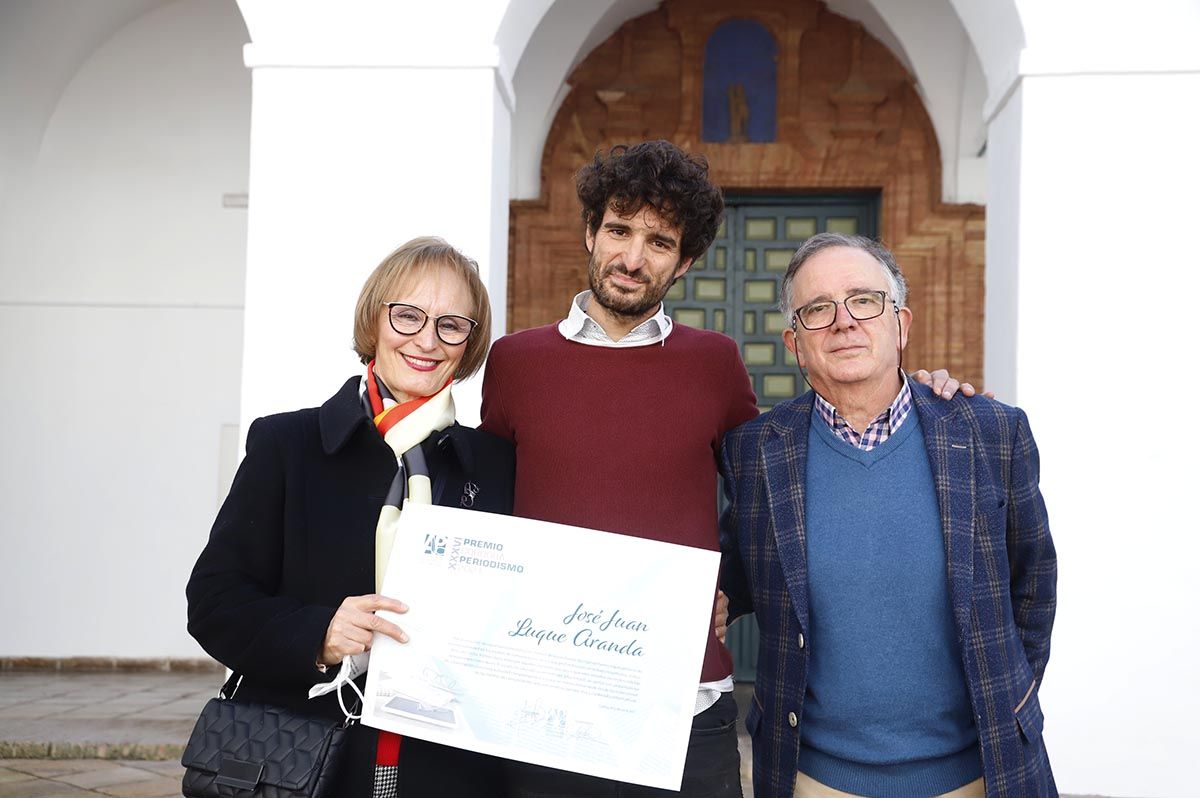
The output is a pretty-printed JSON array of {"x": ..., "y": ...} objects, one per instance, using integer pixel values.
[{"x": 856, "y": 99}]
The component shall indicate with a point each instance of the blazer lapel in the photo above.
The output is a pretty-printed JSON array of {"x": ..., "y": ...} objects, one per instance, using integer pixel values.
[
  {"x": 784, "y": 460},
  {"x": 951, "y": 449}
]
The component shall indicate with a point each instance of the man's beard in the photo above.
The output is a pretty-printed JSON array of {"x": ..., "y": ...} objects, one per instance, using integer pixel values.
[{"x": 622, "y": 303}]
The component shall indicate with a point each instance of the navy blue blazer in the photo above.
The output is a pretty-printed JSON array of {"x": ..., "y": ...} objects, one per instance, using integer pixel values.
[
  {"x": 1001, "y": 573},
  {"x": 296, "y": 536}
]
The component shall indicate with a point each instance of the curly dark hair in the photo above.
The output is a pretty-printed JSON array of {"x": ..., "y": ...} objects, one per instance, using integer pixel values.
[{"x": 658, "y": 174}]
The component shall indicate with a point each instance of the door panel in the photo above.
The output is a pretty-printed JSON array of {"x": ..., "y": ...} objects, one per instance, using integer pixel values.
[{"x": 734, "y": 289}]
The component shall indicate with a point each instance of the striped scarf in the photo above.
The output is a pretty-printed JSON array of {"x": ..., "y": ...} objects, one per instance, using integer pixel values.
[{"x": 403, "y": 427}]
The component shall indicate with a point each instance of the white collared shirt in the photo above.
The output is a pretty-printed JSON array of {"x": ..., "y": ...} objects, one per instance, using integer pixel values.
[{"x": 578, "y": 326}]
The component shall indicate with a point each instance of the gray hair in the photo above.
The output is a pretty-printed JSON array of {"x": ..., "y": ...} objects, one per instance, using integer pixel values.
[{"x": 821, "y": 241}]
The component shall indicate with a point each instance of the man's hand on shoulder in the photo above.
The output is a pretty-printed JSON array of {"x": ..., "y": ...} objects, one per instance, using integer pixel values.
[{"x": 946, "y": 386}]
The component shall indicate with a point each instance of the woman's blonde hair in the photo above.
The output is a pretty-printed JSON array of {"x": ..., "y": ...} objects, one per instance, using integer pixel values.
[{"x": 427, "y": 256}]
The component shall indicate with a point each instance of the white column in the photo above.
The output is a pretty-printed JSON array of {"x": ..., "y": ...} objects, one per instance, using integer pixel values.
[
  {"x": 372, "y": 123},
  {"x": 1092, "y": 304},
  {"x": 1001, "y": 276}
]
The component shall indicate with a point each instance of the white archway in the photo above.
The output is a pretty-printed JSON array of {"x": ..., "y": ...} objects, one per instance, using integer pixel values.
[
  {"x": 120, "y": 313},
  {"x": 39, "y": 55},
  {"x": 564, "y": 35}
]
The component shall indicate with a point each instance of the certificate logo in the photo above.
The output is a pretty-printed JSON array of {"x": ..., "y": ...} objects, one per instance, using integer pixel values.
[
  {"x": 472, "y": 555},
  {"x": 435, "y": 545}
]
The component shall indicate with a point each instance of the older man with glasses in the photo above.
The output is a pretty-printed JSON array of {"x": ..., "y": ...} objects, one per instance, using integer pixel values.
[{"x": 896, "y": 552}]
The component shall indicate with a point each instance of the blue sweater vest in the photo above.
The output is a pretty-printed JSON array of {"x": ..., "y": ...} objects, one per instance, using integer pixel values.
[{"x": 886, "y": 710}]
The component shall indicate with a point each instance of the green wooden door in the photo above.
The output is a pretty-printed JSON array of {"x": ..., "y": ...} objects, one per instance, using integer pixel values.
[{"x": 734, "y": 289}]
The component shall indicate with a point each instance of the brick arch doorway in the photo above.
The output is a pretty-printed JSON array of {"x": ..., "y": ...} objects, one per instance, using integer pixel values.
[{"x": 848, "y": 120}]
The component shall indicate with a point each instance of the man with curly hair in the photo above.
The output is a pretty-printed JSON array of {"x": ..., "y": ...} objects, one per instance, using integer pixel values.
[{"x": 618, "y": 413}]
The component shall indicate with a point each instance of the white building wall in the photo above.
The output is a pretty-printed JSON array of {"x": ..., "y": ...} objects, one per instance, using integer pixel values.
[
  {"x": 360, "y": 141},
  {"x": 1091, "y": 192},
  {"x": 319, "y": 225},
  {"x": 120, "y": 316},
  {"x": 1103, "y": 343}
]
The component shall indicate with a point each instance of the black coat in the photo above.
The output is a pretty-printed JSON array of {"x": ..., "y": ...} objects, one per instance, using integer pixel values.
[{"x": 296, "y": 536}]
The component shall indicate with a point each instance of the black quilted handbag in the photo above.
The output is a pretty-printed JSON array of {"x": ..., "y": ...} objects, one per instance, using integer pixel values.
[{"x": 241, "y": 749}]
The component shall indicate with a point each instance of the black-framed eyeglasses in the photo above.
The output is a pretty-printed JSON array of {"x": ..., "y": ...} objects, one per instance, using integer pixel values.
[
  {"x": 451, "y": 329},
  {"x": 822, "y": 313}
]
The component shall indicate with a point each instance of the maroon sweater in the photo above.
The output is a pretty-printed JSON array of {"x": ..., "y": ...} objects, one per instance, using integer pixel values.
[{"x": 624, "y": 440}]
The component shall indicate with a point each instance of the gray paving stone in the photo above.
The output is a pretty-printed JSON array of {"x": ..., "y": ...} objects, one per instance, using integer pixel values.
[
  {"x": 142, "y": 699},
  {"x": 48, "y": 768},
  {"x": 106, "y": 774},
  {"x": 42, "y": 788},
  {"x": 84, "y": 714},
  {"x": 169, "y": 769},
  {"x": 156, "y": 787},
  {"x": 12, "y": 776}
]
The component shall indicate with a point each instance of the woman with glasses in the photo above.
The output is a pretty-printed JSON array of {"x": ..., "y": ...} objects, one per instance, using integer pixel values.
[{"x": 287, "y": 586}]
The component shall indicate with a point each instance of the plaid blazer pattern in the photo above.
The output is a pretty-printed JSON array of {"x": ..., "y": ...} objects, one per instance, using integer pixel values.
[{"x": 1001, "y": 572}]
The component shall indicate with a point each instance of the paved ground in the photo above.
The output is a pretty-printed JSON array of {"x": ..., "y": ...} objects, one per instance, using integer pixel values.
[
  {"x": 120, "y": 734},
  {"x": 79, "y": 733},
  {"x": 116, "y": 734},
  {"x": 113, "y": 715},
  {"x": 26, "y": 778}
]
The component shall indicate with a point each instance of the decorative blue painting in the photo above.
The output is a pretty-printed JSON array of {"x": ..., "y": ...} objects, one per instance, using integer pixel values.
[{"x": 739, "y": 83}]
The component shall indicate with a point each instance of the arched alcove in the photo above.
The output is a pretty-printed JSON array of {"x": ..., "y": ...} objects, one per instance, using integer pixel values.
[
  {"x": 123, "y": 271},
  {"x": 849, "y": 120},
  {"x": 740, "y": 83},
  {"x": 927, "y": 37}
]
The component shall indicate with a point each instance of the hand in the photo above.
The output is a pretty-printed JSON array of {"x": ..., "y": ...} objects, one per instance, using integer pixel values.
[
  {"x": 946, "y": 386},
  {"x": 721, "y": 616},
  {"x": 350, "y": 632}
]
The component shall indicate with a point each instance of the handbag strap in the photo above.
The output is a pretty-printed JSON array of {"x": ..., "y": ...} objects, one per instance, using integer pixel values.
[{"x": 230, "y": 687}]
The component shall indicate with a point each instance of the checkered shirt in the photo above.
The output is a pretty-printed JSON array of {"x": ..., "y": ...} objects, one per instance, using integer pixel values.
[{"x": 878, "y": 431}]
